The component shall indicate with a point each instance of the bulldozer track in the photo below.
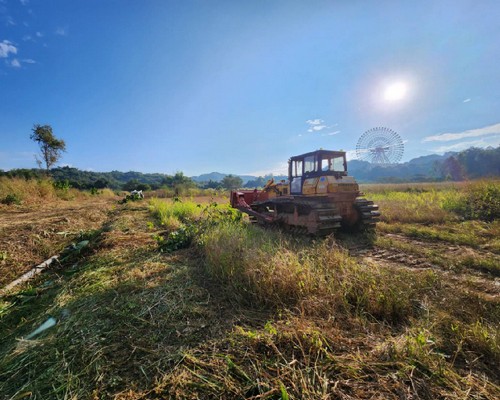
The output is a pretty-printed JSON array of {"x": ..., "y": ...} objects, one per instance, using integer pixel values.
[
  {"x": 481, "y": 283},
  {"x": 368, "y": 211}
]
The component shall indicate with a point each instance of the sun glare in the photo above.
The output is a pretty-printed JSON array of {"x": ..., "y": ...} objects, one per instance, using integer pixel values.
[{"x": 395, "y": 91}]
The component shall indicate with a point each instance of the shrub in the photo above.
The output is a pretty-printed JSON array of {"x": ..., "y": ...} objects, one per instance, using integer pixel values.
[
  {"x": 10, "y": 199},
  {"x": 62, "y": 185},
  {"x": 187, "y": 221},
  {"x": 480, "y": 200}
]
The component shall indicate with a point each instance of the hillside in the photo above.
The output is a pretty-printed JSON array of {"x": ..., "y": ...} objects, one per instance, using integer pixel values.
[{"x": 469, "y": 164}]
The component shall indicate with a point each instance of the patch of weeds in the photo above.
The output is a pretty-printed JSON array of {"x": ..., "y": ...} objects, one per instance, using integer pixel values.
[
  {"x": 188, "y": 228},
  {"x": 481, "y": 263},
  {"x": 413, "y": 206},
  {"x": 11, "y": 199},
  {"x": 271, "y": 270},
  {"x": 181, "y": 238},
  {"x": 182, "y": 211},
  {"x": 480, "y": 200}
]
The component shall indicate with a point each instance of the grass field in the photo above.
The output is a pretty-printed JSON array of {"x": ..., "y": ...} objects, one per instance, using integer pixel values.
[{"x": 188, "y": 300}]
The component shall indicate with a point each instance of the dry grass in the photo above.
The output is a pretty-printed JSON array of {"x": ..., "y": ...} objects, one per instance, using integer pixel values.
[
  {"x": 35, "y": 192},
  {"x": 411, "y": 187},
  {"x": 273, "y": 270}
]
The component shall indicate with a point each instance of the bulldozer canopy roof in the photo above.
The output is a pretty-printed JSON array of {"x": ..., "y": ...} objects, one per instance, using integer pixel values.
[{"x": 319, "y": 153}]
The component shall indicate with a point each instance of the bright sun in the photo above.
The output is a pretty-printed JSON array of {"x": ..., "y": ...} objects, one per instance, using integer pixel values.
[{"x": 395, "y": 91}]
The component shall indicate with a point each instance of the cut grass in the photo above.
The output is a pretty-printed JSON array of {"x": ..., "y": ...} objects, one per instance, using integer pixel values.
[{"x": 123, "y": 316}]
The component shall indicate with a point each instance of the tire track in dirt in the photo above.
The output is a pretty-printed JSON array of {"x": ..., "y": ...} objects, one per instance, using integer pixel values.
[{"x": 483, "y": 284}]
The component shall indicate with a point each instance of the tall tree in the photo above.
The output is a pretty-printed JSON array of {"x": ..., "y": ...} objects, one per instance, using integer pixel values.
[
  {"x": 232, "y": 182},
  {"x": 50, "y": 146}
]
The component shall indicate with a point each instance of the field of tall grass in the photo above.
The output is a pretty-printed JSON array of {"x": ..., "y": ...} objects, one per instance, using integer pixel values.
[
  {"x": 19, "y": 191},
  {"x": 437, "y": 202}
]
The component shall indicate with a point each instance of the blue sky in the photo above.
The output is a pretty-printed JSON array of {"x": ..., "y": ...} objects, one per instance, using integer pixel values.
[{"x": 240, "y": 86}]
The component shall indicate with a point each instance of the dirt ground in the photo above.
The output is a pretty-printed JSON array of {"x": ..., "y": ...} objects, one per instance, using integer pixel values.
[{"x": 28, "y": 236}]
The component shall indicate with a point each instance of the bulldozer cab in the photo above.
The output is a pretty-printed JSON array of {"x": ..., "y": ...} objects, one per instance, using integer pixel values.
[{"x": 313, "y": 165}]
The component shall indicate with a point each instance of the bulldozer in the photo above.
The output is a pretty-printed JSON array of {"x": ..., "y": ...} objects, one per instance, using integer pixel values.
[{"x": 318, "y": 198}]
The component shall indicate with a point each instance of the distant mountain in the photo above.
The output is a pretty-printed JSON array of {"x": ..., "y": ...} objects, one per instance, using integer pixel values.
[
  {"x": 422, "y": 168},
  {"x": 423, "y": 160},
  {"x": 218, "y": 177},
  {"x": 470, "y": 163}
]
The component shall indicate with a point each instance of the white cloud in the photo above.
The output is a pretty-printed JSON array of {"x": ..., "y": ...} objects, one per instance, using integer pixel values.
[
  {"x": 6, "y": 47},
  {"x": 330, "y": 134},
  {"x": 493, "y": 141},
  {"x": 466, "y": 100},
  {"x": 29, "y": 61},
  {"x": 445, "y": 137},
  {"x": 15, "y": 63},
  {"x": 61, "y": 31},
  {"x": 24, "y": 2},
  {"x": 314, "y": 121},
  {"x": 27, "y": 37},
  {"x": 39, "y": 34},
  {"x": 317, "y": 125}
]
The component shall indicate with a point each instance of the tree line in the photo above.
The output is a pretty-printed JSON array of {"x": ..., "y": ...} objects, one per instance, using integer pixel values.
[
  {"x": 472, "y": 163},
  {"x": 116, "y": 180}
]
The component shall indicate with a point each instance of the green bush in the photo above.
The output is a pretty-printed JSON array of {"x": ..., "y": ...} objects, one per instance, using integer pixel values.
[
  {"x": 187, "y": 221},
  {"x": 481, "y": 200},
  {"x": 10, "y": 199}
]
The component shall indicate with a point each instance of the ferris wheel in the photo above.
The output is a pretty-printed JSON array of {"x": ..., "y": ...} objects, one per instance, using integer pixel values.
[{"x": 380, "y": 146}]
